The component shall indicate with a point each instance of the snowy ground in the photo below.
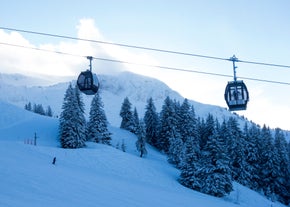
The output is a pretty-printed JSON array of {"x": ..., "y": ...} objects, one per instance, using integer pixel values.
[{"x": 97, "y": 175}]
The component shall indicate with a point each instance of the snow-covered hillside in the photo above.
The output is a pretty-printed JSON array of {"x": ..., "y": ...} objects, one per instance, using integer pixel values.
[
  {"x": 22, "y": 80},
  {"x": 98, "y": 175},
  {"x": 113, "y": 89}
]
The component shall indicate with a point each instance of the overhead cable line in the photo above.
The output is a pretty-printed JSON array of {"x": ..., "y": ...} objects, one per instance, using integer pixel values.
[
  {"x": 39, "y": 49},
  {"x": 145, "y": 48},
  {"x": 111, "y": 43},
  {"x": 145, "y": 65},
  {"x": 265, "y": 64}
]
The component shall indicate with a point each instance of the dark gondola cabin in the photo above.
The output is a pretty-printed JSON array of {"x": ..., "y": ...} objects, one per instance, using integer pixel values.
[
  {"x": 236, "y": 95},
  {"x": 88, "y": 83}
]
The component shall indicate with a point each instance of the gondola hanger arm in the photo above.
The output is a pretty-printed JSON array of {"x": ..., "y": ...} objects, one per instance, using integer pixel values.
[{"x": 234, "y": 59}]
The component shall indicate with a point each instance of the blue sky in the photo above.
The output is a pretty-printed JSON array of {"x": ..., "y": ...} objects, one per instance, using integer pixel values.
[{"x": 252, "y": 30}]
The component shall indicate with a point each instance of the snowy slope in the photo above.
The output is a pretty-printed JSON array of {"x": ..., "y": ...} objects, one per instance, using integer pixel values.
[
  {"x": 97, "y": 175},
  {"x": 19, "y": 125}
]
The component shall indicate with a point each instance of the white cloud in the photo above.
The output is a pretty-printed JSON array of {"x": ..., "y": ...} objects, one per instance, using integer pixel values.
[
  {"x": 32, "y": 62},
  {"x": 87, "y": 30}
]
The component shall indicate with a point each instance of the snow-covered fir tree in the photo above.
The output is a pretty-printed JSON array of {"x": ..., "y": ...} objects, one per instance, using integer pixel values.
[
  {"x": 288, "y": 182},
  {"x": 127, "y": 116},
  {"x": 81, "y": 106},
  {"x": 187, "y": 123},
  {"x": 141, "y": 141},
  {"x": 98, "y": 124},
  {"x": 177, "y": 115},
  {"x": 282, "y": 181},
  {"x": 135, "y": 121},
  {"x": 251, "y": 136},
  {"x": 176, "y": 151},
  {"x": 205, "y": 129},
  {"x": 191, "y": 164},
  {"x": 28, "y": 106},
  {"x": 268, "y": 172},
  {"x": 255, "y": 161},
  {"x": 236, "y": 149},
  {"x": 79, "y": 99},
  {"x": 215, "y": 173},
  {"x": 288, "y": 150},
  {"x": 168, "y": 125},
  {"x": 151, "y": 120},
  {"x": 184, "y": 117},
  {"x": 48, "y": 111},
  {"x": 72, "y": 127},
  {"x": 38, "y": 109}
]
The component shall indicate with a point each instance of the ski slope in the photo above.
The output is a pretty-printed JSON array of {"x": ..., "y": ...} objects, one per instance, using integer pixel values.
[{"x": 97, "y": 175}]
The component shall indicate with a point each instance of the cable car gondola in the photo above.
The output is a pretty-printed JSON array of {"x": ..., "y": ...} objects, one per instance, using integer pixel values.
[
  {"x": 236, "y": 95},
  {"x": 236, "y": 92},
  {"x": 87, "y": 81}
]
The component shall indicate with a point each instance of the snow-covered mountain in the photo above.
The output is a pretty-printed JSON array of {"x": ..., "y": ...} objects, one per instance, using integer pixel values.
[{"x": 19, "y": 90}]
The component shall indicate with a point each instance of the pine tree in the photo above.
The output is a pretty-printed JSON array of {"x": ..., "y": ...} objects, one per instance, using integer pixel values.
[
  {"x": 268, "y": 172},
  {"x": 126, "y": 113},
  {"x": 237, "y": 152},
  {"x": 188, "y": 129},
  {"x": 176, "y": 149},
  {"x": 167, "y": 125},
  {"x": 187, "y": 121},
  {"x": 81, "y": 112},
  {"x": 135, "y": 121},
  {"x": 151, "y": 120},
  {"x": 79, "y": 100},
  {"x": 141, "y": 142},
  {"x": 215, "y": 173},
  {"x": 48, "y": 112},
  {"x": 72, "y": 122},
  {"x": 191, "y": 164},
  {"x": 205, "y": 130},
  {"x": 176, "y": 145},
  {"x": 34, "y": 108},
  {"x": 98, "y": 124},
  {"x": 41, "y": 110},
  {"x": 287, "y": 202},
  {"x": 288, "y": 150},
  {"x": 251, "y": 136},
  {"x": 38, "y": 109},
  {"x": 28, "y": 106},
  {"x": 189, "y": 132},
  {"x": 177, "y": 116},
  {"x": 281, "y": 184}
]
